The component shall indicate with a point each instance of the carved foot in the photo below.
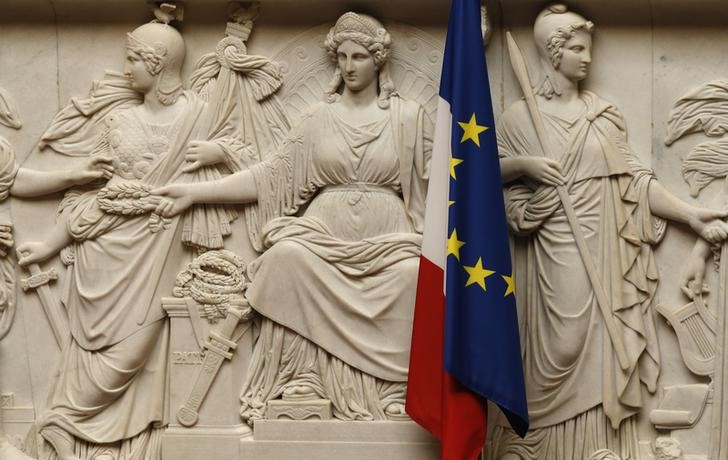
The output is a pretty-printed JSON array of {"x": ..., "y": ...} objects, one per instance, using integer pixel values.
[
  {"x": 395, "y": 411},
  {"x": 104, "y": 457},
  {"x": 299, "y": 393}
]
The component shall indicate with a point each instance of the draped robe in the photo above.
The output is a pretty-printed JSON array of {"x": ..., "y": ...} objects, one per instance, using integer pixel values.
[
  {"x": 112, "y": 375},
  {"x": 343, "y": 275},
  {"x": 573, "y": 378}
]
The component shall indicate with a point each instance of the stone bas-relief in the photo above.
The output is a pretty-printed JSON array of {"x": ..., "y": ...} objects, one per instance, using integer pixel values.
[
  {"x": 24, "y": 182},
  {"x": 337, "y": 201},
  {"x": 576, "y": 194},
  {"x": 291, "y": 340},
  {"x": 366, "y": 152}
]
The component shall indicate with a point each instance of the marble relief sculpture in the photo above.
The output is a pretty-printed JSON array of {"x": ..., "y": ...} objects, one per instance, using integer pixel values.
[
  {"x": 582, "y": 395},
  {"x": 337, "y": 211},
  {"x": 702, "y": 110},
  {"x": 109, "y": 397},
  {"x": 24, "y": 182}
]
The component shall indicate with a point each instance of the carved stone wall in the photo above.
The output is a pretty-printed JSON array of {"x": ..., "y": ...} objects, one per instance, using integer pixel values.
[
  {"x": 55, "y": 52},
  {"x": 659, "y": 62},
  {"x": 646, "y": 57}
]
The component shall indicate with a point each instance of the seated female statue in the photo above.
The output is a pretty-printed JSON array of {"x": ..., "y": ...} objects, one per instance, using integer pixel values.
[{"x": 339, "y": 213}]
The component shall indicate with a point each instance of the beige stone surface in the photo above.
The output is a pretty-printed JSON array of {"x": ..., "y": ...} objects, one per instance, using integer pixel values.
[{"x": 647, "y": 54}]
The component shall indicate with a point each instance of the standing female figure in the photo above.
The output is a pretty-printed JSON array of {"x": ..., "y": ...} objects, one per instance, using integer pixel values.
[
  {"x": 111, "y": 382},
  {"x": 580, "y": 400},
  {"x": 339, "y": 213}
]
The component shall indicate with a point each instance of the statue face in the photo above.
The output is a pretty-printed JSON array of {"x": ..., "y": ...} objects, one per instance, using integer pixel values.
[
  {"x": 356, "y": 65},
  {"x": 135, "y": 70},
  {"x": 576, "y": 56}
]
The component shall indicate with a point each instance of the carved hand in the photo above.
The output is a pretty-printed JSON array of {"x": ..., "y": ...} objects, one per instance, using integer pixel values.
[
  {"x": 708, "y": 224},
  {"x": 176, "y": 199},
  {"x": 202, "y": 153},
  {"x": 93, "y": 168},
  {"x": 692, "y": 280},
  {"x": 34, "y": 252},
  {"x": 544, "y": 170},
  {"x": 6, "y": 238}
]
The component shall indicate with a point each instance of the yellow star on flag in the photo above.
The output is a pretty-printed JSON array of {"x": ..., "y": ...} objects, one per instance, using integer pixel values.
[
  {"x": 511, "y": 285},
  {"x": 454, "y": 162},
  {"x": 454, "y": 244},
  {"x": 450, "y": 203},
  {"x": 471, "y": 130},
  {"x": 477, "y": 274}
]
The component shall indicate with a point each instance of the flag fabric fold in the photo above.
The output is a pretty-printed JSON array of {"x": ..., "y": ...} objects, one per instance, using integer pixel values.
[{"x": 465, "y": 342}]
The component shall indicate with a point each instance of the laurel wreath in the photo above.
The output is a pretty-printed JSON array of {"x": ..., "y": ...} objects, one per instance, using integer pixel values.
[
  {"x": 126, "y": 198},
  {"x": 131, "y": 199},
  {"x": 213, "y": 280}
]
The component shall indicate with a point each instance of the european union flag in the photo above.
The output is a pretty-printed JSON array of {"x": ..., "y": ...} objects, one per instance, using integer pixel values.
[
  {"x": 482, "y": 346},
  {"x": 465, "y": 343}
]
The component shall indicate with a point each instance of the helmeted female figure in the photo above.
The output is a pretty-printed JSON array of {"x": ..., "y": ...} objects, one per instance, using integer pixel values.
[
  {"x": 111, "y": 381},
  {"x": 580, "y": 400}
]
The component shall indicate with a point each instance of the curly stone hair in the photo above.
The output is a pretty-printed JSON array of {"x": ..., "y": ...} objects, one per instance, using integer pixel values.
[{"x": 369, "y": 33}]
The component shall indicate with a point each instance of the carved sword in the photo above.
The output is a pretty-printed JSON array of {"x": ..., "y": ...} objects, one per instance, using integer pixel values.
[
  {"x": 52, "y": 306},
  {"x": 521, "y": 71},
  {"x": 219, "y": 347}
]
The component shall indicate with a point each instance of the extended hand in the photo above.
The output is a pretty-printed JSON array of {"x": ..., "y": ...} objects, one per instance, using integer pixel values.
[
  {"x": 544, "y": 170},
  {"x": 33, "y": 253},
  {"x": 202, "y": 153},
  {"x": 708, "y": 224},
  {"x": 692, "y": 283},
  {"x": 92, "y": 168},
  {"x": 174, "y": 199}
]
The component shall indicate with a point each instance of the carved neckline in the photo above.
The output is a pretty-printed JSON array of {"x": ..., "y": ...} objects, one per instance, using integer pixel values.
[
  {"x": 140, "y": 114},
  {"x": 567, "y": 119},
  {"x": 339, "y": 114}
]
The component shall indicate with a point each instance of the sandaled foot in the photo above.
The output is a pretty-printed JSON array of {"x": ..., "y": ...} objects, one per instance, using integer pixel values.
[
  {"x": 299, "y": 393},
  {"x": 395, "y": 411}
]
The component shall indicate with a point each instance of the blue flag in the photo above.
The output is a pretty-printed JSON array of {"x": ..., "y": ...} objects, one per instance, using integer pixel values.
[{"x": 482, "y": 346}]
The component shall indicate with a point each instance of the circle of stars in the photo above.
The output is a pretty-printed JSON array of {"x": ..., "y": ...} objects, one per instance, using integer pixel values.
[{"x": 477, "y": 273}]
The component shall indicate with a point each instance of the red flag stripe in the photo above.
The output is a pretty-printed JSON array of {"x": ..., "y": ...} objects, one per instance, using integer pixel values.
[{"x": 458, "y": 417}]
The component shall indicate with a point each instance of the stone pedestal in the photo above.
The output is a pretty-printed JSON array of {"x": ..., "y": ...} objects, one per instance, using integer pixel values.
[
  {"x": 219, "y": 429},
  {"x": 17, "y": 421},
  {"x": 299, "y": 410},
  {"x": 324, "y": 439}
]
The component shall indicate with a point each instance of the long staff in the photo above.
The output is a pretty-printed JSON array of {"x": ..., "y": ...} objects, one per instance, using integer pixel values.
[{"x": 521, "y": 71}]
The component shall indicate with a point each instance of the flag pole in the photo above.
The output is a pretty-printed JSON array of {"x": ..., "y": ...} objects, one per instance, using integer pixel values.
[{"x": 521, "y": 70}]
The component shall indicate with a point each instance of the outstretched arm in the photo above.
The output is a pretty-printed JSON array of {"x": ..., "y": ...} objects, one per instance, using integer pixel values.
[
  {"x": 235, "y": 188},
  {"x": 707, "y": 223},
  {"x": 31, "y": 183}
]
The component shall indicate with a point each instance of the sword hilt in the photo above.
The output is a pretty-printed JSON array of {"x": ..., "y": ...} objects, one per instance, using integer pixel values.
[{"x": 38, "y": 277}]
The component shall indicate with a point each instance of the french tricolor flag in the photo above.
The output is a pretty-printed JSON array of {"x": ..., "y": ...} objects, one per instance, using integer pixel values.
[{"x": 465, "y": 343}]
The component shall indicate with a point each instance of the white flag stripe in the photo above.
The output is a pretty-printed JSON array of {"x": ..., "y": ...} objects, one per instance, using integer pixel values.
[{"x": 435, "y": 236}]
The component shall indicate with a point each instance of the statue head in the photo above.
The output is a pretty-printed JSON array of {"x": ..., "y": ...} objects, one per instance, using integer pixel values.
[
  {"x": 563, "y": 40},
  {"x": 668, "y": 449},
  {"x": 352, "y": 35},
  {"x": 160, "y": 50}
]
